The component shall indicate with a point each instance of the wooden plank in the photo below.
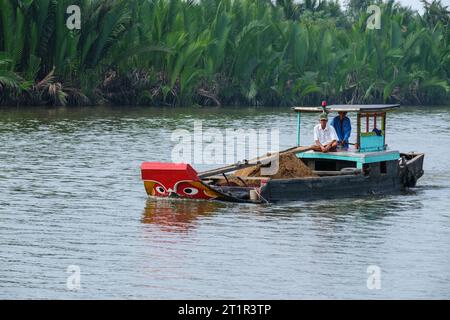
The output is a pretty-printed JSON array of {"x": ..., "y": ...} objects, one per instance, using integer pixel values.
[
  {"x": 367, "y": 122},
  {"x": 219, "y": 177},
  {"x": 337, "y": 173},
  {"x": 264, "y": 160},
  {"x": 319, "y": 173}
]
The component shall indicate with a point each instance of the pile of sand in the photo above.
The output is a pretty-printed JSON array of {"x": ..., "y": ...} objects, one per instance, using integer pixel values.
[{"x": 289, "y": 167}]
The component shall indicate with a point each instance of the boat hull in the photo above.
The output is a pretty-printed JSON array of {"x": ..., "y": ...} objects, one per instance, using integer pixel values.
[
  {"x": 308, "y": 189},
  {"x": 388, "y": 177},
  {"x": 394, "y": 178}
]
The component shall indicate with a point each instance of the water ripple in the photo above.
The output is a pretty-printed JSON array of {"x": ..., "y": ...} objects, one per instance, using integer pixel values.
[{"x": 70, "y": 194}]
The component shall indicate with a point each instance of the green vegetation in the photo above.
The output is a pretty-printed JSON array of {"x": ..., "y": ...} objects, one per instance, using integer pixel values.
[{"x": 228, "y": 52}]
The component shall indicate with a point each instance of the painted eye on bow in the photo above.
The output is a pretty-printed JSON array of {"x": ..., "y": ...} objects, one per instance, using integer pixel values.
[
  {"x": 190, "y": 191},
  {"x": 155, "y": 188},
  {"x": 193, "y": 190},
  {"x": 160, "y": 190}
]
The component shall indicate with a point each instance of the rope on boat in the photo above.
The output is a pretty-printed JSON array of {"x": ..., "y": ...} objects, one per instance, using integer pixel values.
[{"x": 260, "y": 196}]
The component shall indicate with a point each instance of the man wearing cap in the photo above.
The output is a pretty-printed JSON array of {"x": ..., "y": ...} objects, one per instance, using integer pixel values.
[{"x": 325, "y": 136}]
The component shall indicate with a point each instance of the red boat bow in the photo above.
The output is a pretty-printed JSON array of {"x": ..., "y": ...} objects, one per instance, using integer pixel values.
[{"x": 176, "y": 180}]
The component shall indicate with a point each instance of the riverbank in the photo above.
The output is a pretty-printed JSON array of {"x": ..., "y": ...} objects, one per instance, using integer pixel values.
[
  {"x": 58, "y": 95},
  {"x": 249, "y": 111},
  {"x": 222, "y": 52}
]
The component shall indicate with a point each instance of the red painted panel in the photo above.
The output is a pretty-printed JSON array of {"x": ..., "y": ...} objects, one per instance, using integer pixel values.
[
  {"x": 169, "y": 179},
  {"x": 168, "y": 171}
]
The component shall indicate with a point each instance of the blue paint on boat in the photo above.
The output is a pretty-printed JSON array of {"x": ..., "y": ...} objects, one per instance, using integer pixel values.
[
  {"x": 358, "y": 157},
  {"x": 372, "y": 143},
  {"x": 298, "y": 128}
]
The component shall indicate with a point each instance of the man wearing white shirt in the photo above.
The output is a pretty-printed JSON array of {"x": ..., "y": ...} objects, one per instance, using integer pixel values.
[{"x": 325, "y": 136}]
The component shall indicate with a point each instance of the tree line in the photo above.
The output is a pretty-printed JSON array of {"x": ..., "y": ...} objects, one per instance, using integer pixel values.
[{"x": 223, "y": 52}]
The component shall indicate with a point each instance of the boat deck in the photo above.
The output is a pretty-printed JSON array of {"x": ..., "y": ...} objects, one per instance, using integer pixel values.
[{"x": 359, "y": 157}]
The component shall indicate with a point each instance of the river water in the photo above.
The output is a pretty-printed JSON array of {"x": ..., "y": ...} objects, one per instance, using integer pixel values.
[{"x": 72, "y": 203}]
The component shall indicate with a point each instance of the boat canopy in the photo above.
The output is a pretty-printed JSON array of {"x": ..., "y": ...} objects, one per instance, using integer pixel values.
[
  {"x": 364, "y": 108},
  {"x": 370, "y": 127}
]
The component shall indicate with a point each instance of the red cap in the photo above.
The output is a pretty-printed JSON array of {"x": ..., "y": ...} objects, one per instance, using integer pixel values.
[{"x": 324, "y": 103}]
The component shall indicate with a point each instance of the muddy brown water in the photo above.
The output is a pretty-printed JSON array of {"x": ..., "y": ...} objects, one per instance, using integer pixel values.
[{"x": 70, "y": 194}]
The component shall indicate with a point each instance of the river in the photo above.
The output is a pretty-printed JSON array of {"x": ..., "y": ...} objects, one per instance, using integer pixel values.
[{"x": 72, "y": 204}]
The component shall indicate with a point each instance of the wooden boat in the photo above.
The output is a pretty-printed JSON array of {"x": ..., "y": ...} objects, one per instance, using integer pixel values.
[{"x": 367, "y": 170}]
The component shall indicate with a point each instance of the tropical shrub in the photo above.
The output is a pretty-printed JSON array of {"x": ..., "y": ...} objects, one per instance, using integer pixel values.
[{"x": 222, "y": 52}]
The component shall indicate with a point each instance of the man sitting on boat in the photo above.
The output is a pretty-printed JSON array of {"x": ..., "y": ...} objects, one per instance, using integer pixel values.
[
  {"x": 325, "y": 136},
  {"x": 343, "y": 128}
]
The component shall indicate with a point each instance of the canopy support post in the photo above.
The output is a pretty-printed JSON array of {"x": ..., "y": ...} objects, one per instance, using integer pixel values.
[
  {"x": 383, "y": 129},
  {"x": 358, "y": 130},
  {"x": 298, "y": 129}
]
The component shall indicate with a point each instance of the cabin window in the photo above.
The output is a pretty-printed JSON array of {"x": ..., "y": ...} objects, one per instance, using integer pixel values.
[
  {"x": 383, "y": 167},
  {"x": 331, "y": 165},
  {"x": 325, "y": 165}
]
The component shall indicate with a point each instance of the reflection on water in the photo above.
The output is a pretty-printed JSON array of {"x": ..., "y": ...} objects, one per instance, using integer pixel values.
[
  {"x": 71, "y": 194},
  {"x": 177, "y": 215}
]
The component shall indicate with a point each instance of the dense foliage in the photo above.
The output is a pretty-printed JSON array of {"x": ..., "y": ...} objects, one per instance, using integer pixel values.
[{"x": 228, "y": 52}]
